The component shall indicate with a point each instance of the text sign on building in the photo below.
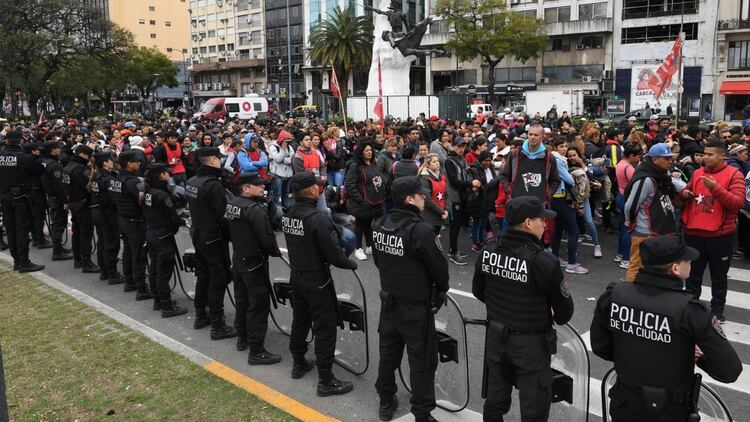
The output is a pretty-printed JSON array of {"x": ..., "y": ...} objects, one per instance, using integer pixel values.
[
  {"x": 616, "y": 106},
  {"x": 640, "y": 93}
]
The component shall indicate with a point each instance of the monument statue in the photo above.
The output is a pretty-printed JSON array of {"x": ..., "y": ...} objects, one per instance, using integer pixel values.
[{"x": 397, "y": 47}]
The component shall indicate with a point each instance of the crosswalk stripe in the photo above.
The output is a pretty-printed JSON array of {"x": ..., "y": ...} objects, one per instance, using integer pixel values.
[
  {"x": 734, "y": 298},
  {"x": 739, "y": 274}
]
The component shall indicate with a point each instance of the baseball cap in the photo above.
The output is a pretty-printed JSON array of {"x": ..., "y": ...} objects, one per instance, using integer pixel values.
[
  {"x": 83, "y": 149},
  {"x": 406, "y": 186},
  {"x": 302, "y": 180},
  {"x": 660, "y": 150},
  {"x": 250, "y": 179},
  {"x": 661, "y": 250},
  {"x": 433, "y": 118},
  {"x": 527, "y": 206},
  {"x": 209, "y": 152},
  {"x": 458, "y": 140}
]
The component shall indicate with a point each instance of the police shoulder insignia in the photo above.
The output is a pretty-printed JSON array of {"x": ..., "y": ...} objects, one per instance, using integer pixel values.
[
  {"x": 168, "y": 202},
  {"x": 716, "y": 323},
  {"x": 564, "y": 288},
  {"x": 57, "y": 174},
  {"x": 438, "y": 243},
  {"x": 87, "y": 173}
]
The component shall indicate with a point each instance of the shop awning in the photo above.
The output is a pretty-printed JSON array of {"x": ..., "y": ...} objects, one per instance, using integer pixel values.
[{"x": 735, "y": 88}]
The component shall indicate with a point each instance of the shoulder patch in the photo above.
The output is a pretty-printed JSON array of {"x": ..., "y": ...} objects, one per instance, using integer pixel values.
[
  {"x": 438, "y": 243},
  {"x": 564, "y": 291},
  {"x": 716, "y": 323},
  {"x": 168, "y": 202}
]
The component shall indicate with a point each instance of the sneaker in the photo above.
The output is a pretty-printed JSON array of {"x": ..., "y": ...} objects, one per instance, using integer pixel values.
[
  {"x": 456, "y": 259},
  {"x": 30, "y": 267},
  {"x": 624, "y": 264},
  {"x": 563, "y": 263},
  {"x": 360, "y": 254},
  {"x": 575, "y": 269},
  {"x": 585, "y": 237},
  {"x": 334, "y": 387},
  {"x": 476, "y": 247},
  {"x": 490, "y": 234},
  {"x": 368, "y": 250},
  {"x": 618, "y": 257},
  {"x": 597, "y": 251},
  {"x": 263, "y": 357}
]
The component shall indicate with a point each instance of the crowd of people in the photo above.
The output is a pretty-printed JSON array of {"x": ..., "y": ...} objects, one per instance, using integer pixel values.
[{"x": 140, "y": 180}]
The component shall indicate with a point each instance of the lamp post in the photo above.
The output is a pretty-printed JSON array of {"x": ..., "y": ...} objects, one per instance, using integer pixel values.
[
  {"x": 289, "y": 56},
  {"x": 186, "y": 93}
]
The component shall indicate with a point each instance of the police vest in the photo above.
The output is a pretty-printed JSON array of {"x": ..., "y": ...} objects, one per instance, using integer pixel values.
[
  {"x": 49, "y": 168},
  {"x": 438, "y": 191},
  {"x": 238, "y": 213},
  {"x": 11, "y": 172},
  {"x": 304, "y": 254},
  {"x": 127, "y": 205},
  {"x": 399, "y": 264},
  {"x": 512, "y": 294},
  {"x": 174, "y": 159},
  {"x": 201, "y": 213},
  {"x": 75, "y": 191},
  {"x": 153, "y": 215},
  {"x": 649, "y": 347},
  {"x": 704, "y": 212}
]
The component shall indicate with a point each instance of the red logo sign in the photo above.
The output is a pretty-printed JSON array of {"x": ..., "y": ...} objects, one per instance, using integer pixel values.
[{"x": 246, "y": 106}]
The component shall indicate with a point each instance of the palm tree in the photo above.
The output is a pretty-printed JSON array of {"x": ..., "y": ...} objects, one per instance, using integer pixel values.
[{"x": 344, "y": 40}]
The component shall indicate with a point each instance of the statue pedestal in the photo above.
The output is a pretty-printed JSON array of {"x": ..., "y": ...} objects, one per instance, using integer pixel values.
[{"x": 395, "y": 67}]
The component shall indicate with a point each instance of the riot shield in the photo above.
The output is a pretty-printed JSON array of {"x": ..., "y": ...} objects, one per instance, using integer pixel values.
[
  {"x": 352, "y": 344},
  {"x": 570, "y": 383},
  {"x": 711, "y": 407},
  {"x": 452, "y": 375}
]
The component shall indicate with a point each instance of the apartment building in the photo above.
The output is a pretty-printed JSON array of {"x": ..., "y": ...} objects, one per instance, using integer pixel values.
[{"x": 732, "y": 66}]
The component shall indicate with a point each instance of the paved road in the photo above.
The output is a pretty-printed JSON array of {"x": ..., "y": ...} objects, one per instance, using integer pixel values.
[{"x": 361, "y": 404}]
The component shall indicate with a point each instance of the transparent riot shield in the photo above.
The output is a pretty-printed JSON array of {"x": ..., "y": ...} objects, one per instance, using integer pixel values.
[
  {"x": 570, "y": 383},
  {"x": 711, "y": 408},
  {"x": 352, "y": 344},
  {"x": 452, "y": 375}
]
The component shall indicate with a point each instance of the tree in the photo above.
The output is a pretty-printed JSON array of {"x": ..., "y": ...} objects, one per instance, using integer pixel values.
[
  {"x": 148, "y": 69},
  {"x": 488, "y": 30},
  {"x": 343, "y": 40}
]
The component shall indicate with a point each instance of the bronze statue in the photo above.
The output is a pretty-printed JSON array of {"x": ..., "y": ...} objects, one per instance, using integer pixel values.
[{"x": 402, "y": 36}]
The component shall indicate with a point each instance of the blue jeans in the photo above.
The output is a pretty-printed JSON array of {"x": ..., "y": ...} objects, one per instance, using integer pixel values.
[
  {"x": 502, "y": 226},
  {"x": 589, "y": 219},
  {"x": 565, "y": 220},
  {"x": 280, "y": 191},
  {"x": 477, "y": 229},
  {"x": 623, "y": 235},
  {"x": 336, "y": 178}
]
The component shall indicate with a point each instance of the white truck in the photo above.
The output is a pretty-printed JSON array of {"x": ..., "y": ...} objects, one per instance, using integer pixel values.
[{"x": 565, "y": 100}]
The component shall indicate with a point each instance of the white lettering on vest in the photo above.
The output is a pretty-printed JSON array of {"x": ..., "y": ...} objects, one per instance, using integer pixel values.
[
  {"x": 147, "y": 200},
  {"x": 8, "y": 161},
  {"x": 232, "y": 212},
  {"x": 507, "y": 267},
  {"x": 115, "y": 186},
  {"x": 639, "y": 323},
  {"x": 191, "y": 192},
  {"x": 293, "y": 226},
  {"x": 388, "y": 243}
]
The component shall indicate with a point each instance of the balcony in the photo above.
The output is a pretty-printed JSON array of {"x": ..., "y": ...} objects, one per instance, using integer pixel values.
[
  {"x": 435, "y": 39},
  {"x": 588, "y": 26},
  {"x": 733, "y": 25}
]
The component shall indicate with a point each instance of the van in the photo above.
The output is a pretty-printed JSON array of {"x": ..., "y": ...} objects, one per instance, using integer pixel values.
[
  {"x": 243, "y": 108},
  {"x": 486, "y": 110}
]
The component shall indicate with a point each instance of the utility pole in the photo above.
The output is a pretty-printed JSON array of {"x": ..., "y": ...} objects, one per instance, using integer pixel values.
[{"x": 289, "y": 57}]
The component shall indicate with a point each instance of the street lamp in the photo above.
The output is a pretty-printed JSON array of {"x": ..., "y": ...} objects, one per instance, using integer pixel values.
[{"x": 185, "y": 83}]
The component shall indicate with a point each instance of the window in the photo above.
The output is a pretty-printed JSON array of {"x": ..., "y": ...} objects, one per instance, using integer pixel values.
[
  {"x": 558, "y": 44},
  {"x": 193, "y": 22},
  {"x": 632, "y": 9},
  {"x": 590, "y": 41},
  {"x": 738, "y": 55},
  {"x": 573, "y": 73},
  {"x": 169, "y": 49},
  {"x": 153, "y": 35},
  {"x": 232, "y": 107},
  {"x": 222, "y": 47},
  {"x": 151, "y": 9},
  {"x": 557, "y": 14},
  {"x": 211, "y": 33},
  {"x": 511, "y": 74},
  {"x": 230, "y": 46},
  {"x": 243, "y": 38},
  {"x": 195, "y": 50},
  {"x": 526, "y": 14},
  {"x": 152, "y": 22},
  {"x": 466, "y": 77},
  {"x": 257, "y": 53},
  {"x": 204, "y": 50},
  {"x": 142, "y": 21},
  {"x": 255, "y": 36},
  {"x": 658, "y": 33},
  {"x": 212, "y": 49},
  {"x": 167, "y": 23},
  {"x": 439, "y": 27},
  {"x": 592, "y": 11}
]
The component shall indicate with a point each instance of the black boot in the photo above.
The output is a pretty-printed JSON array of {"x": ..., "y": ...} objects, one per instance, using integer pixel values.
[
  {"x": 201, "y": 319},
  {"x": 334, "y": 387},
  {"x": 301, "y": 367},
  {"x": 424, "y": 418},
  {"x": 115, "y": 278},
  {"x": 242, "y": 343},
  {"x": 388, "y": 408},
  {"x": 158, "y": 304},
  {"x": 103, "y": 276},
  {"x": 129, "y": 286},
  {"x": 61, "y": 254},
  {"x": 29, "y": 267},
  {"x": 43, "y": 243},
  {"x": 262, "y": 357},
  {"x": 143, "y": 294},
  {"x": 174, "y": 311},
  {"x": 89, "y": 267},
  {"x": 220, "y": 330},
  {"x": 77, "y": 263}
]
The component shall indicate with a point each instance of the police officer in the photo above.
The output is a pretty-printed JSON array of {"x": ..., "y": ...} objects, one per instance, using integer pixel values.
[
  {"x": 253, "y": 240},
  {"x": 313, "y": 244},
  {"x": 104, "y": 214},
  {"x": 655, "y": 332},
  {"x": 57, "y": 198},
  {"x": 38, "y": 201},
  {"x": 126, "y": 191},
  {"x": 16, "y": 169},
  {"x": 207, "y": 201},
  {"x": 414, "y": 282},
  {"x": 76, "y": 177},
  {"x": 162, "y": 223},
  {"x": 524, "y": 290}
]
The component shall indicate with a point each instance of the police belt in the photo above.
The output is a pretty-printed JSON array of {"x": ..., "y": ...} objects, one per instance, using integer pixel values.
[
  {"x": 528, "y": 332},
  {"x": 678, "y": 397},
  {"x": 133, "y": 219}
]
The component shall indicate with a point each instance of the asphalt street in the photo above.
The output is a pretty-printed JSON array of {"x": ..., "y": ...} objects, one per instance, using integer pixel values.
[{"x": 361, "y": 404}]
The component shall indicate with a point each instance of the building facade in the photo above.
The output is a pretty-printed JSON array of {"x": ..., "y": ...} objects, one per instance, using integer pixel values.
[
  {"x": 284, "y": 43},
  {"x": 227, "y": 48},
  {"x": 732, "y": 88}
]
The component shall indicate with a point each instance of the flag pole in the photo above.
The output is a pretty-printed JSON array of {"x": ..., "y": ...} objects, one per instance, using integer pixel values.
[
  {"x": 679, "y": 71},
  {"x": 341, "y": 97}
]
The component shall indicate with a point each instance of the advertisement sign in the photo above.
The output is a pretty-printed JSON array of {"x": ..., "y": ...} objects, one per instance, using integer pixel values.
[
  {"x": 616, "y": 106},
  {"x": 640, "y": 93}
]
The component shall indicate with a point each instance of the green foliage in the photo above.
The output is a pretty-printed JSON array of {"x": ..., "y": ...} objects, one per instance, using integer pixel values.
[
  {"x": 148, "y": 68},
  {"x": 344, "y": 40},
  {"x": 488, "y": 30}
]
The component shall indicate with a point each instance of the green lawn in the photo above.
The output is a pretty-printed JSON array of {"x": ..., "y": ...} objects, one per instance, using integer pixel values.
[{"x": 66, "y": 362}]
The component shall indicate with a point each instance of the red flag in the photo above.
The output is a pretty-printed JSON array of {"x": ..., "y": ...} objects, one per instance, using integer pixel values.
[
  {"x": 379, "y": 104},
  {"x": 335, "y": 83},
  {"x": 661, "y": 79},
  {"x": 41, "y": 119}
]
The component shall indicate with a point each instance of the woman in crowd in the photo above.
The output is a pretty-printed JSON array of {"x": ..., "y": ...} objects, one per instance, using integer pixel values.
[
  {"x": 365, "y": 188},
  {"x": 581, "y": 193},
  {"x": 433, "y": 180}
]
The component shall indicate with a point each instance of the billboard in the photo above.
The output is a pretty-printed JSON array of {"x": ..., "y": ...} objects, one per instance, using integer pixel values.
[{"x": 640, "y": 93}]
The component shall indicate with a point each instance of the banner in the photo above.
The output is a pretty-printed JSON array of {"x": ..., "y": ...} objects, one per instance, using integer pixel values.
[
  {"x": 641, "y": 94},
  {"x": 335, "y": 83}
]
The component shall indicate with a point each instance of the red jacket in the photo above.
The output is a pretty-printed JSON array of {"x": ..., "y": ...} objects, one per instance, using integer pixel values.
[{"x": 732, "y": 198}]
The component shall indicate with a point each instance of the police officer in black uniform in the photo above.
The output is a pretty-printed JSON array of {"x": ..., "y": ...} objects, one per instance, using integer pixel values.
[
  {"x": 126, "y": 191},
  {"x": 314, "y": 244},
  {"x": 213, "y": 271},
  {"x": 16, "y": 169},
  {"x": 57, "y": 198},
  {"x": 104, "y": 214},
  {"x": 655, "y": 332},
  {"x": 524, "y": 290},
  {"x": 414, "y": 282},
  {"x": 76, "y": 178},
  {"x": 162, "y": 223},
  {"x": 38, "y": 201},
  {"x": 253, "y": 240}
]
